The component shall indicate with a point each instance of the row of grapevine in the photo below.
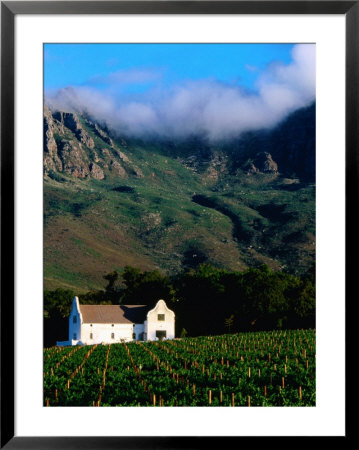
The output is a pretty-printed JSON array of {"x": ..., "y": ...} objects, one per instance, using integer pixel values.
[{"x": 249, "y": 369}]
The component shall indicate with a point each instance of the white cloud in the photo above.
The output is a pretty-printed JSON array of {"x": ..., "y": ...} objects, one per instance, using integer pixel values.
[{"x": 209, "y": 107}]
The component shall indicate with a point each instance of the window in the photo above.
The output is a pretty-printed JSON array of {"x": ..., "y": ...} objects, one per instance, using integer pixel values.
[
  {"x": 160, "y": 334},
  {"x": 91, "y": 336},
  {"x": 112, "y": 325},
  {"x": 74, "y": 336},
  {"x": 74, "y": 319},
  {"x": 90, "y": 324},
  {"x": 133, "y": 335},
  {"x": 160, "y": 317},
  {"x": 112, "y": 335}
]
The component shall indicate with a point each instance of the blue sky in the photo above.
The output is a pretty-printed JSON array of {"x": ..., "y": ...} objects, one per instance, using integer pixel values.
[
  {"x": 177, "y": 90},
  {"x": 77, "y": 64}
]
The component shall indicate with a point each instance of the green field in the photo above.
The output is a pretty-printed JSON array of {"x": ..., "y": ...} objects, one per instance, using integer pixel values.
[{"x": 274, "y": 368}]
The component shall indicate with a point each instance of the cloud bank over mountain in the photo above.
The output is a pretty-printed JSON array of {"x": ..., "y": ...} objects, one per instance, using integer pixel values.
[{"x": 207, "y": 107}]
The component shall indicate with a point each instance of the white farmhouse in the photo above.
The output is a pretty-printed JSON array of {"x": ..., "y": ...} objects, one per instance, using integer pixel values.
[{"x": 108, "y": 324}]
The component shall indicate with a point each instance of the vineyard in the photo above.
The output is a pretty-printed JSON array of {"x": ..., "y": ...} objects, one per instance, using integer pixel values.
[{"x": 275, "y": 368}]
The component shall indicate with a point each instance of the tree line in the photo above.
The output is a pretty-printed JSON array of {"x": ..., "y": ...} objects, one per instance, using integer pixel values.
[{"x": 206, "y": 300}]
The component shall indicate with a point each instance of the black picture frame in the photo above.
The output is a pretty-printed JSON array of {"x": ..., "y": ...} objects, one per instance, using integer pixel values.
[{"x": 9, "y": 9}]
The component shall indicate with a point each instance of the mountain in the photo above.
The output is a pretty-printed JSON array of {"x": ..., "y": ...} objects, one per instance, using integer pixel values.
[
  {"x": 112, "y": 201},
  {"x": 291, "y": 144}
]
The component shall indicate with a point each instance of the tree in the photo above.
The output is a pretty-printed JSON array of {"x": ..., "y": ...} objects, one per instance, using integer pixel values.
[
  {"x": 57, "y": 307},
  {"x": 57, "y": 303},
  {"x": 183, "y": 333},
  {"x": 111, "y": 278},
  {"x": 228, "y": 323},
  {"x": 145, "y": 287}
]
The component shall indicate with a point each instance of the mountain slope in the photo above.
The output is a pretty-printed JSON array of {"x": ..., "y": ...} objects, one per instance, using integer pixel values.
[{"x": 111, "y": 202}]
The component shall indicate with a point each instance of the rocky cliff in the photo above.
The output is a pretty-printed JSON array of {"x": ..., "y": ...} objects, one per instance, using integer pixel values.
[{"x": 76, "y": 146}]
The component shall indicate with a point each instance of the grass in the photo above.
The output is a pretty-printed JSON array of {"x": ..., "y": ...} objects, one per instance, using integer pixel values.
[{"x": 152, "y": 222}]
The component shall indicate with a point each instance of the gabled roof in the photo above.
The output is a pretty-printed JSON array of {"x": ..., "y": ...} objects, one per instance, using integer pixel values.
[{"x": 114, "y": 313}]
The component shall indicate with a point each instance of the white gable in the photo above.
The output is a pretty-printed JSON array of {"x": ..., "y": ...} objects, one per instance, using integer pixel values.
[{"x": 160, "y": 322}]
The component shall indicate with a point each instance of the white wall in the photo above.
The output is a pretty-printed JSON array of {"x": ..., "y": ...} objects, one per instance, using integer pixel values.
[
  {"x": 101, "y": 332},
  {"x": 139, "y": 329},
  {"x": 75, "y": 328},
  {"x": 153, "y": 324}
]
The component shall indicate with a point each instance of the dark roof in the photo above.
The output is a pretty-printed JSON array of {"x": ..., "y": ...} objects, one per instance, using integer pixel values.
[{"x": 114, "y": 313}]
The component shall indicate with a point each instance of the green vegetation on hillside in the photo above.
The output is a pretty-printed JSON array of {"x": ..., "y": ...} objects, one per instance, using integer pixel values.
[
  {"x": 171, "y": 219},
  {"x": 171, "y": 205}
]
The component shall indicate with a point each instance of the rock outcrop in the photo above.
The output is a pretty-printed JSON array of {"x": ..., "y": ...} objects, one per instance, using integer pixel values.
[
  {"x": 74, "y": 159},
  {"x": 250, "y": 168},
  {"x": 262, "y": 163},
  {"x": 70, "y": 147},
  {"x": 96, "y": 172},
  {"x": 72, "y": 122},
  {"x": 104, "y": 136},
  {"x": 51, "y": 159},
  {"x": 118, "y": 169}
]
